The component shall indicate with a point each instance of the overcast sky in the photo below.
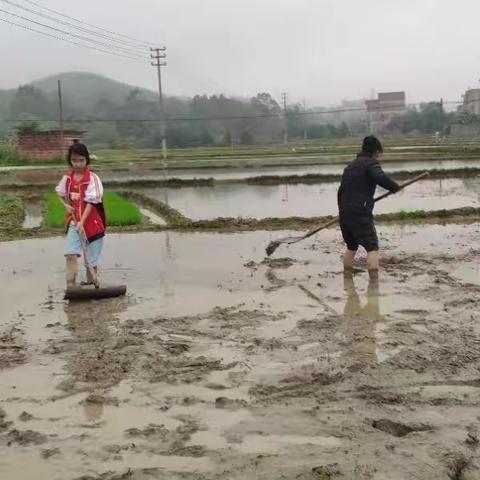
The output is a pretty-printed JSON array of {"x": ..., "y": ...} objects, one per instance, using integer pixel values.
[{"x": 320, "y": 50}]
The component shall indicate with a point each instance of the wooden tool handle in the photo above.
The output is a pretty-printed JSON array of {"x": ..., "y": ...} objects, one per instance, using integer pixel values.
[
  {"x": 403, "y": 185},
  {"x": 381, "y": 197}
]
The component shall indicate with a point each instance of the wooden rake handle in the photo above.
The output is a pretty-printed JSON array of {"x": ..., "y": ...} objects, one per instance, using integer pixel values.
[{"x": 380, "y": 197}]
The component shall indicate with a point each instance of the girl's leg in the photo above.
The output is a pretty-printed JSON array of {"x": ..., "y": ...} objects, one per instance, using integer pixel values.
[
  {"x": 71, "y": 269},
  {"x": 90, "y": 279},
  {"x": 94, "y": 253}
]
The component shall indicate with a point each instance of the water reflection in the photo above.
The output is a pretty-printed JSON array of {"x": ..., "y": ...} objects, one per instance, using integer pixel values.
[
  {"x": 361, "y": 321},
  {"x": 254, "y": 201},
  {"x": 335, "y": 167}
]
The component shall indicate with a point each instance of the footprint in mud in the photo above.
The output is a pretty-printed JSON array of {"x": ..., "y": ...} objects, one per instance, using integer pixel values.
[
  {"x": 4, "y": 425},
  {"x": 281, "y": 262},
  {"x": 234, "y": 403},
  {"x": 25, "y": 437},
  {"x": 50, "y": 452},
  {"x": 399, "y": 429},
  {"x": 25, "y": 417},
  {"x": 326, "y": 472}
]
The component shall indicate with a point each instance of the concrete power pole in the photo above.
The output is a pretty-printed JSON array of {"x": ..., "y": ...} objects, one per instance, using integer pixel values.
[
  {"x": 159, "y": 55},
  {"x": 60, "y": 118},
  {"x": 305, "y": 135},
  {"x": 285, "y": 132}
]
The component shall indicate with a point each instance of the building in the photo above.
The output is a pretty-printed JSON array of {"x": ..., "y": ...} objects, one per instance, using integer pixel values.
[
  {"x": 47, "y": 146},
  {"x": 383, "y": 109},
  {"x": 471, "y": 102}
]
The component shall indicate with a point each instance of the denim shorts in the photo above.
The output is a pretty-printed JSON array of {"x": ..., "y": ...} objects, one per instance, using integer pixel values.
[{"x": 74, "y": 246}]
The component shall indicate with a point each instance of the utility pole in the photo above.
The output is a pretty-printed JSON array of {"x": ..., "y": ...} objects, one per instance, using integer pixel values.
[
  {"x": 60, "y": 115},
  {"x": 285, "y": 132},
  {"x": 159, "y": 55},
  {"x": 305, "y": 135}
]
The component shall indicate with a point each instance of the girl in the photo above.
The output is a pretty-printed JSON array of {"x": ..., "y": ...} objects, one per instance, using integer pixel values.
[{"x": 81, "y": 192}]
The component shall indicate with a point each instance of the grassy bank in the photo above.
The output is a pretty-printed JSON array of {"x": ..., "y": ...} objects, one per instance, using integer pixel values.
[
  {"x": 119, "y": 211},
  {"x": 398, "y": 148},
  {"x": 8, "y": 152},
  {"x": 173, "y": 217},
  {"x": 12, "y": 211},
  {"x": 466, "y": 215}
]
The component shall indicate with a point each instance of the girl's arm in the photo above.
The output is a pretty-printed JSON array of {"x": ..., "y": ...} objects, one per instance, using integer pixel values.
[
  {"x": 61, "y": 191},
  {"x": 85, "y": 215},
  {"x": 94, "y": 192}
]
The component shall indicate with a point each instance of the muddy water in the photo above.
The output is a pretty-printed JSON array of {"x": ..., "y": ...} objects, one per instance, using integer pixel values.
[
  {"x": 242, "y": 173},
  {"x": 33, "y": 215},
  {"x": 146, "y": 173},
  {"x": 210, "y": 369},
  {"x": 308, "y": 200}
]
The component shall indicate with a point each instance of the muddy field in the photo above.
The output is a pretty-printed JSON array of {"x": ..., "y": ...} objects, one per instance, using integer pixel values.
[{"x": 220, "y": 364}]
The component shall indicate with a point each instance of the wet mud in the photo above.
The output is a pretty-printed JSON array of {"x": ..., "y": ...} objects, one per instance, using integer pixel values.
[{"x": 244, "y": 367}]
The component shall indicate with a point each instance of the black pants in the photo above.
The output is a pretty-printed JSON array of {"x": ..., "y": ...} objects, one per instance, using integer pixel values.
[{"x": 359, "y": 229}]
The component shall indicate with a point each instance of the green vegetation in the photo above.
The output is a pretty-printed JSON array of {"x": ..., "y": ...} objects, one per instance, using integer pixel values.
[
  {"x": 410, "y": 214},
  {"x": 55, "y": 215},
  {"x": 120, "y": 116},
  {"x": 465, "y": 214},
  {"x": 8, "y": 152},
  {"x": 27, "y": 127},
  {"x": 119, "y": 212},
  {"x": 12, "y": 211},
  {"x": 128, "y": 116},
  {"x": 428, "y": 118}
]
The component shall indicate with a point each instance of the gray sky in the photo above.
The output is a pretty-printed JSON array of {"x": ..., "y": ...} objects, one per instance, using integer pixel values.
[{"x": 320, "y": 50}]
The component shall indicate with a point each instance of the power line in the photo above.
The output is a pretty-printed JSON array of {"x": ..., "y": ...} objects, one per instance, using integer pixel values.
[
  {"x": 80, "y": 37},
  {"x": 140, "y": 42},
  {"x": 128, "y": 44},
  {"x": 78, "y": 44}
]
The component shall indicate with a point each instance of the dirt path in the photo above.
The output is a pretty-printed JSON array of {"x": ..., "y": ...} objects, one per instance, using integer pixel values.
[{"x": 242, "y": 368}]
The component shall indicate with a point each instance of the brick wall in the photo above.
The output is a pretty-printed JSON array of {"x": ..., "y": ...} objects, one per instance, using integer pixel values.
[{"x": 46, "y": 146}]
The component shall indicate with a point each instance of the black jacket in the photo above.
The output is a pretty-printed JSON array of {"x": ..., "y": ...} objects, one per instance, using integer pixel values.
[{"x": 359, "y": 181}]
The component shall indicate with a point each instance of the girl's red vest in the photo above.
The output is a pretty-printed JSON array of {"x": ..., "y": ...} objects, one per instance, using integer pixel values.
[{"x": 94, "y": 225}]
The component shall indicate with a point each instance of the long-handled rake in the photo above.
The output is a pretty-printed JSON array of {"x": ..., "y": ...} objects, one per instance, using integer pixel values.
[
  {"x": 85, "y": 293},
  {"x": 274, "y": 244}
]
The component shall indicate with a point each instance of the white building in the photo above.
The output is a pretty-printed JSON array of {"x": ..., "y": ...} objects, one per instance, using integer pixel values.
[{"x": 471, "y": 101}]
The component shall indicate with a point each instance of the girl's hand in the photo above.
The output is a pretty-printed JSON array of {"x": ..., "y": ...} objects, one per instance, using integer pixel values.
[
  {"x": 80, "y": 229},
  {"x": 70, "y": 209}
]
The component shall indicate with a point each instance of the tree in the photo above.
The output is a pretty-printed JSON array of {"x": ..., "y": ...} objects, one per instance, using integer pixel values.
[
  {"x": 407, "y": 122},
  {"x": 429, "y": 118},
  {"x": 26, "y": 128},
  {"x": 343, "y": 130},
  {"x": 227, "y": 138},
  {"x": 316, "y": 131},
  {"x": 32, "y": 100},
  {"x": 432, "y": 117},
  {"x": 246, "y": 138},
  {"x": 265, "y": 103}
]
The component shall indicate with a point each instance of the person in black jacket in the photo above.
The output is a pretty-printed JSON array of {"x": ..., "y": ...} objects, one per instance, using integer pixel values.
[{"x": 355, "y": 203}]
